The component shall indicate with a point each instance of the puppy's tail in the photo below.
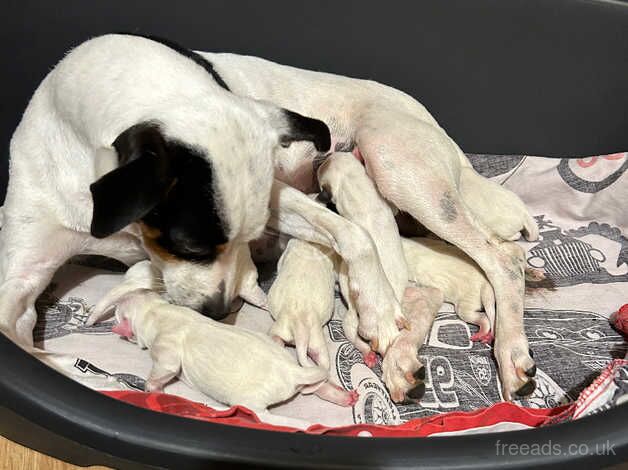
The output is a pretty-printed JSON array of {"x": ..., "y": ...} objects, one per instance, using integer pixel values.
[{"x": 310, "y": 378}]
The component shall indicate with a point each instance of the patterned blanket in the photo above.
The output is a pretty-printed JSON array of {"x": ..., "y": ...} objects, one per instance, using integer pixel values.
[{"x": 580, "y": 208}]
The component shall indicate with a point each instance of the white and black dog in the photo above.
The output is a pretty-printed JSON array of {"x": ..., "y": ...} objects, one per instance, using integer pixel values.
[
  {"x": 126, "y": 129},
  {"x": 197, "y": 167}
]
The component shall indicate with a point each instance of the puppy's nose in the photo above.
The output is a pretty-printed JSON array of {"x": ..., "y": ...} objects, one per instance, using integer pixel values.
[{"x": 215, "y": 307}]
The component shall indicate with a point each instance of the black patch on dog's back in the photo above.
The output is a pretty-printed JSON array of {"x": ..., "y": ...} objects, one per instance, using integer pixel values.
[{"x": 190, "y": 54}]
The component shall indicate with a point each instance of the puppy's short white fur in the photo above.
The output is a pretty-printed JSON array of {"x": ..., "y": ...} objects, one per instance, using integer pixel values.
[
  {"x": 356, "y": 198},
  {"x": 301, "y": 299},
  {"x": 232, "y": 365},
  {"x": 437, "y": 264}
]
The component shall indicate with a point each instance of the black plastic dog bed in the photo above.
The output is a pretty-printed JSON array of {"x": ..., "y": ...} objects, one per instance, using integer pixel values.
[{"x": 517, "y": 76}]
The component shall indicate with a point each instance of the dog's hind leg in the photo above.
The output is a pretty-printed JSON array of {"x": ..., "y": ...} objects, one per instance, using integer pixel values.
[
  {"x": 416, "y": 167},
  {"x": 30, "y": 253}
]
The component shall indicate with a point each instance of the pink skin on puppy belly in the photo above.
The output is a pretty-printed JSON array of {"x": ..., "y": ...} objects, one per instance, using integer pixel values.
[{"x": 123, "y": 329}]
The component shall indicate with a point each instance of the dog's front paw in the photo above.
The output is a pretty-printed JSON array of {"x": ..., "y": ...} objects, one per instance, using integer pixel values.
[
  {"x": 402, "y": 371},
  {"x": 516, "y": 367}
]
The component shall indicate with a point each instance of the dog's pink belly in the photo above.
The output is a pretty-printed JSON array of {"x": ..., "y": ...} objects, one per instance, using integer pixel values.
[{"x": 303, "y": 176}]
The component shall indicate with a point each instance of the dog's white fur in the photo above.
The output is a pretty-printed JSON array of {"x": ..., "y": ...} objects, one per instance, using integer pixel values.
[
  {"x": 64, "y": 143},
  {"x": 205, "y": 354},
  {"x": 496, "y": 207},
  {"x": 293, "y": 213},
  {"x": 110, "y": 83},
  {"x": 416, "y": 167},
  {"x": 436, "y": 264}
]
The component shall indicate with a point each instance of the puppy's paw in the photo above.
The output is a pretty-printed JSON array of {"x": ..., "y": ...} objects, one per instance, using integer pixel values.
[
  {"x": 516, "y": 367},
  {"x": 381, "y": 334},
  {"x": 370, "y": 359},
  {"x": 338, "y": 395},
  {"x": 153, "y": 386},
  {"x": 403, "y": 373}
]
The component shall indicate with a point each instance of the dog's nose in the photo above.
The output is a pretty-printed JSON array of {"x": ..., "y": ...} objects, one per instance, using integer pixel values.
[{"x": 216, "y": 307}]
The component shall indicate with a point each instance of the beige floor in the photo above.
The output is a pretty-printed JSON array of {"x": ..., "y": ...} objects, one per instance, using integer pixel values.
[{"x": 16, "y": 457}]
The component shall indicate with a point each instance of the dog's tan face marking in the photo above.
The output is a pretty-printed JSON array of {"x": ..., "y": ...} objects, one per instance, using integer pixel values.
[{"x": 151, "y": 235}]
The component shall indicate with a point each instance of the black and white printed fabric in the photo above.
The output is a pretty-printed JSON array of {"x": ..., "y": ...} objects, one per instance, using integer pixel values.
[{"x": 580, "y": 207}]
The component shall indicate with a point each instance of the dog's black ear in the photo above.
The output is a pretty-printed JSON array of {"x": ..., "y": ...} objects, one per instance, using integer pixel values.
[
  {"x": 129, "y": 192},
  {"x": 305, "y": 128}
]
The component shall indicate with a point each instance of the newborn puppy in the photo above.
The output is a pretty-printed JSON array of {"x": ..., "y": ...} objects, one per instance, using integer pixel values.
[
  {"x": 301, "y": 300},
  {"x": 344, "y": 182},
  {"x": 436, "y": 264},
  {"x": 496, "y": 207},
  {"x": 402, "y": 371},
  {"x": 232, "y": 365}
]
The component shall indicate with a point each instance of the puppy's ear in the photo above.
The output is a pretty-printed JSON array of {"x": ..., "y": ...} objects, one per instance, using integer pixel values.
[
  {"x": 305, "y": 128},
  {"x": 129, "y": 192}
]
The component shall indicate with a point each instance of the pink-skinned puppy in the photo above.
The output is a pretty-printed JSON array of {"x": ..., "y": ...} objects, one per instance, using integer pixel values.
[
  {"x": 437, "y": 264},
  {"x": 230, "y": 364},
  {"x": 301, "y": 300}
]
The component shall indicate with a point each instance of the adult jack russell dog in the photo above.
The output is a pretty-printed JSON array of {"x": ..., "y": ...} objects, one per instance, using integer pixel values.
[{"x": 184, "y": 171}]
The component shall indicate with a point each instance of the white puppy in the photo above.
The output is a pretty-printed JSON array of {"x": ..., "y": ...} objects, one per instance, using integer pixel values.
[
  {"x": 344, "y": 182},
  {"x": 141, "y": 278},
  {"x": 499, "y": 209},
  {"x": 436, "y": 264},
  {"x": 301, "y": 300},
  {"x": 232, "y": 365}
]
